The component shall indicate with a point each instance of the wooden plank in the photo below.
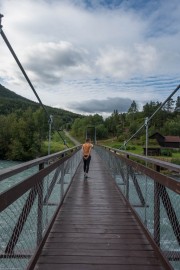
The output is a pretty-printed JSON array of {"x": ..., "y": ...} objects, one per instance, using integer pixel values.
[
  {"x": 96, "y": 222},
  {"x": 95, "y": 229},
  {"x": 96, "y": 267},
  {"x": 94, "y": 240},
  {"x": 101, "y": 246},
  {"x": 88, "y": 235},
  {"x": 97, "y": 252},
  {"x": 98, "y": 260},
  {"x": 62, "y": 226}
]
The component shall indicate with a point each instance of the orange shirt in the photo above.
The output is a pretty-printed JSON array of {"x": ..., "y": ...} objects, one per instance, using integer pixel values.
[{"x": 86, "y": 149}]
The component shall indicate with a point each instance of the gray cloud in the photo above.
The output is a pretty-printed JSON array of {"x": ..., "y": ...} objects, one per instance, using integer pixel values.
[
  {"x": 99, "y": 106},
  {"x": 55, "y": 60},
  {"x": 74, "y": 49}
]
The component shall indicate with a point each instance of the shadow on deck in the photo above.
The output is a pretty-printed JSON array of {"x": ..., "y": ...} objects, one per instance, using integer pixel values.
[{"x": 95, "y": 229}]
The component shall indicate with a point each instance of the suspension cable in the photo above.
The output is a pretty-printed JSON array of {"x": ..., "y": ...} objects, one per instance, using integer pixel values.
[
  {"x": 172, "y": 94},
  {"x": 26, "y": 77},
  {"x": 148, "y": 120}
]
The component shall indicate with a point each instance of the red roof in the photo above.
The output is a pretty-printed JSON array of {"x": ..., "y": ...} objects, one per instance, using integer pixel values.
[{"x": 172, "y": 139}]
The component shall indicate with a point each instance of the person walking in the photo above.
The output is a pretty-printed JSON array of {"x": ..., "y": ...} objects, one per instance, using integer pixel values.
[{"x": 86, "y": 150}]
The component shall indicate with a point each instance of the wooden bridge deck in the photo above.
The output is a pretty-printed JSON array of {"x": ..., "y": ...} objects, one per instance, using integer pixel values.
[{"x": 95, "y": 230}]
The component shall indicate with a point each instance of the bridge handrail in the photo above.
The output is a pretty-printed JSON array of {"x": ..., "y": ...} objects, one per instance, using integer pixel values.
[
  {"x": 12, "y": 194},
  {"x": 153, "y": 197},
  {"x": 28, "y": 208},
  {"x": 165, "y": 180},
  {"x": 157, "y": 162},
  {"x": 7, "y": 172}
]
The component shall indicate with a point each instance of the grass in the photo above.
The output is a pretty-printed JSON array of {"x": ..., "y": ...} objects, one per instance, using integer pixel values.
[
  {"x": 56, "y": 144},
  {"x": 133, "y": 148},
  {"x": 138, "y": 149}
]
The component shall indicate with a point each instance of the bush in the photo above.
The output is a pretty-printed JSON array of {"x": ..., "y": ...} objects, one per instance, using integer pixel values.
[
  {"x": 116, "y": 146},
  {"x": 174, "y": 150},
  {"x": 166, "y": 152},
  {"x": 130, "y": 147},
  {"x": 175, "y": 161},
  {"x": 127, "y": 148},
  {"x": 121, "y": 138}
]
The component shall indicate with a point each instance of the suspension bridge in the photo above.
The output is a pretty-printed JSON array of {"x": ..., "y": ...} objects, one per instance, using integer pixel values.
[{"x": 125, "y": 215}]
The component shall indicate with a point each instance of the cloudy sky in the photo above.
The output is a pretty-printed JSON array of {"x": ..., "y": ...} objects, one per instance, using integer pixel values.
[{"x": 91, "y": 56}]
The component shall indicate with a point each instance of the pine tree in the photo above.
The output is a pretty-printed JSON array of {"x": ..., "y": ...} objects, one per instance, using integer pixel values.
[
  {"x": 177, "y": 106},
  {"x": 169, "y": 106}
]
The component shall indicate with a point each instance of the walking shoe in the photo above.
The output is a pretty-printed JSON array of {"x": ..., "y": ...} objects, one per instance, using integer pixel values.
[{"x": 84, "y": 175}]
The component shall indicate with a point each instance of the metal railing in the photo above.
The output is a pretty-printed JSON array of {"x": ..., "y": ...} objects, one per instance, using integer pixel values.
[
  {"x": 30, "y": 206},
  {"x": 152, "y": 196}
]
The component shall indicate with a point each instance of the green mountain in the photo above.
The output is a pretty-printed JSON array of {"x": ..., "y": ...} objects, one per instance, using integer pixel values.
[
  {"x": 11, "y": 102},
  {"x": 5, "y": 93},
  {"x": 25, "y": 126}
]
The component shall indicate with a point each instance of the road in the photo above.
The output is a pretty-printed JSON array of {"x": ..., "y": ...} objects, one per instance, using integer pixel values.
[{"x": 71, "y": 138}]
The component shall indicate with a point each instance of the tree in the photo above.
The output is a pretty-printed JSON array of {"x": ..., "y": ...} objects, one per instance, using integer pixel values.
[
  {"x": 169, "y": 105},
  {"x": 101, "y": 132},
  {"x": 112, "y": 123},
  {"x": 177, "y": 105},
  {"x": 133, "y": 128},
  {"x": 172, "y": 127},
  {"x": 133, "y": 109},
  {"x": 25, "y": 141},
  {"x": 22, "y": 134},
  {"x": 150, "y": 108},
  {"x": 7, "y": 124}
]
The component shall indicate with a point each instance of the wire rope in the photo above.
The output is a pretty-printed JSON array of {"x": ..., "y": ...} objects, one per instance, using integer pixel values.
[
  {"x": 26, "y": 77},
  {"x": 148, "y": 120}
]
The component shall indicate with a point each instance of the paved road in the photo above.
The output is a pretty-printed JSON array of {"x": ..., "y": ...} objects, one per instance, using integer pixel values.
[{"x": 71, "y": 138}]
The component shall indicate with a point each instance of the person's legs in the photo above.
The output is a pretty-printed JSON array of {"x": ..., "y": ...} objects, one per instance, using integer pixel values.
[
  {"x": 87, "y": 164},
  {"x": 85, "y": 161}
]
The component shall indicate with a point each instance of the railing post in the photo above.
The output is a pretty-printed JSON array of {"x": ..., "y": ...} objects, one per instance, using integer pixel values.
[
  {"x": 127, "y": 182},
  {"x": 40, "y": 209},
  {"x": 157, "y": 210},
  {"x": 127, "y": 186},
  {"x": 62, "y": 181},
  {"x": 41, "y": 166}
]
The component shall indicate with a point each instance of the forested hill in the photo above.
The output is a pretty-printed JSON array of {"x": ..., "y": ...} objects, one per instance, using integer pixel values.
[
  {"x": 11, "y": 102},
  {"x": 7, "y": 94},
  {"x": 25, "y": 126}
]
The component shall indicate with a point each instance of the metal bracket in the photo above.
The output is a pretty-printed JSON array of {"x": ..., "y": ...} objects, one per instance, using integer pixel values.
[{"x": 1, "y": 16}]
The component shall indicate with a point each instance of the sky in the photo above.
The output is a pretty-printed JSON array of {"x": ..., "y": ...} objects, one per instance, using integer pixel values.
[{"x": 90, "y": 56}]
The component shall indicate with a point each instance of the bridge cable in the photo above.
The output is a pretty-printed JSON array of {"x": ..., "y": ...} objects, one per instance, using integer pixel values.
[
  {"x": 148, "y": 119},
  {"x": 27, "y": 78}
]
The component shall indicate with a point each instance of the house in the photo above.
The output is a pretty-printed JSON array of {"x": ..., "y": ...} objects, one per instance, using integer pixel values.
[
  {"x": 152, "y": 151},
  {"x": 166, "y": 141}
]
